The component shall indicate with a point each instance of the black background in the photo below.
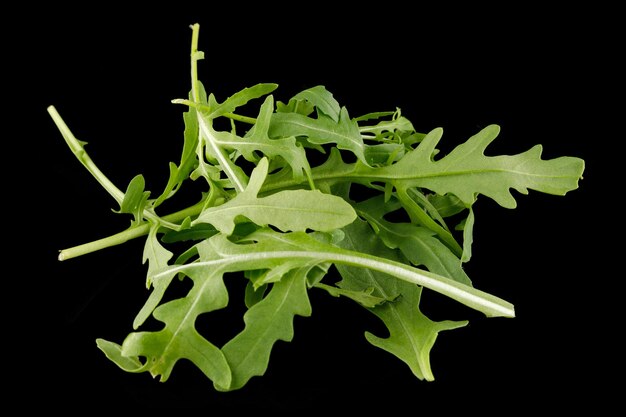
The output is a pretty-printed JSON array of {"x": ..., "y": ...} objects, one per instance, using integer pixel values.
[{"x": 112, "y": 73}]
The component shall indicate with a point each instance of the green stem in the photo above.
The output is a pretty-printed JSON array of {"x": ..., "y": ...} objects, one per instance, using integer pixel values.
[
  {"x": 128, "y": 234},
  {"x": 195, "y": 57},
  {"x": 225, "y": 163},
  {"x": 240, "y": 118},
  {"x": 78, "y": 150}
]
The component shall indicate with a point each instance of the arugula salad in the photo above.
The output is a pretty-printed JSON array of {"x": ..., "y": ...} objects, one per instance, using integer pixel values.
[{"x": 280, "y": 210}]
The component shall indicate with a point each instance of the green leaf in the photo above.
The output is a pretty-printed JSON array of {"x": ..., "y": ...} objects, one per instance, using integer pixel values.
[
  {"x": 267, "y": 321},
  {"x": 135, "y": 198},
  {"x": 433, "y": 212},
  {"x": 188, "y": 160},
  {"x": 384, "y": 153},
  {"x": 253, "y": 295},
  {"x": 446, "y": 205},
  {"x": 236, "y": 100},
  {"x": 113, "y": 351},
  {"x": 154, "y": 253},
  {"x": 179, "y": 339},
  {"x": 290, "y": 210},
  {"x": 295, "y": 106},
  {"x": 412, "y": 334},
  {"x": 322, "y": 99},
  {"x": 468, "y": 236},
  {"x": 397, "y": 123},
  {"x": 418, "y": 244},
  {"x": 467, "y": 171},
  {"x": 197, "y": 232},
  {"x": 344, "y": 132}
]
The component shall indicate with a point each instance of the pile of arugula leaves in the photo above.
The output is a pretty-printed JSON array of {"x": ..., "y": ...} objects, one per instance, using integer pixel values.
[{"x": 279, "y": 208}]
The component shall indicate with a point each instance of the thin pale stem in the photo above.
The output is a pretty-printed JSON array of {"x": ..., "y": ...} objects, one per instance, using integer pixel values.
[
  {"x": 224, "y": 161},
  {"x": 240, "y": 118},
  {"x": 128, "y": 234},
  {"x": 195, "y": 57},
  {"x": 78, "y": 150}
]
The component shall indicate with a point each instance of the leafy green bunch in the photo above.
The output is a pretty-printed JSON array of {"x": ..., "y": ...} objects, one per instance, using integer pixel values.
[{"x": 279, "y": 210}]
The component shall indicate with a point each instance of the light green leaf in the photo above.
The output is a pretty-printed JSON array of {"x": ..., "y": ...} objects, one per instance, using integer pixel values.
[
  {"x": 267, "y": 321},
  {"x": 113, "y": 351},
  {"x": 135, "y": 198},
  {"x": 467, "y": 171},
  {"x": 374, "y": 116},
  {"x": 322, "y": 99},
  {"x": 157, "y": 257},
  {"x": 179, "y": 339},
  {"x": 322, "y": 130},
  {"x": 423, "y": 201},
  {"x": 154, "y": 253},
  {"x": 446, "y": 205},
  {"x": 412, "y": 334},
  {"x": 236, "y": 100},
  {"x": 400, "y": 123},
  {"x": 253, "y": 295},
  {"x": 188, "y": 160},
  {"x": 197, "y": 232},
  {"x": 295, "y": 106},
  {"x": 290, "y": 210},
  {"x": 384, "y": 153},
  {"x": 468, "y": 236}
]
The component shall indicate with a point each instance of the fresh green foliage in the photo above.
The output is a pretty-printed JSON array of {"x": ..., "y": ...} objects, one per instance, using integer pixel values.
[{"x": 271, "y": 217}]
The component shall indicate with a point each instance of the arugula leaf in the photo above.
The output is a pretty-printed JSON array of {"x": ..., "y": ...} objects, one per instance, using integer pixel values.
[
  {"x": 289, "y": 210},
  {"x": 239, "y": 99},
  {"x": 322, "y": 100},
  {"x": 412, "y": 334},
  {"x": 466, "y": 171},
  {"x": 179, "y": 339},
  {"x": 188, "y": 162},
  {"x": 155, "y": 254},
  {"x": 135, "y": 198},
  {"x": 267, "y": 321},
  {"x": 344, "y": 132}
]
